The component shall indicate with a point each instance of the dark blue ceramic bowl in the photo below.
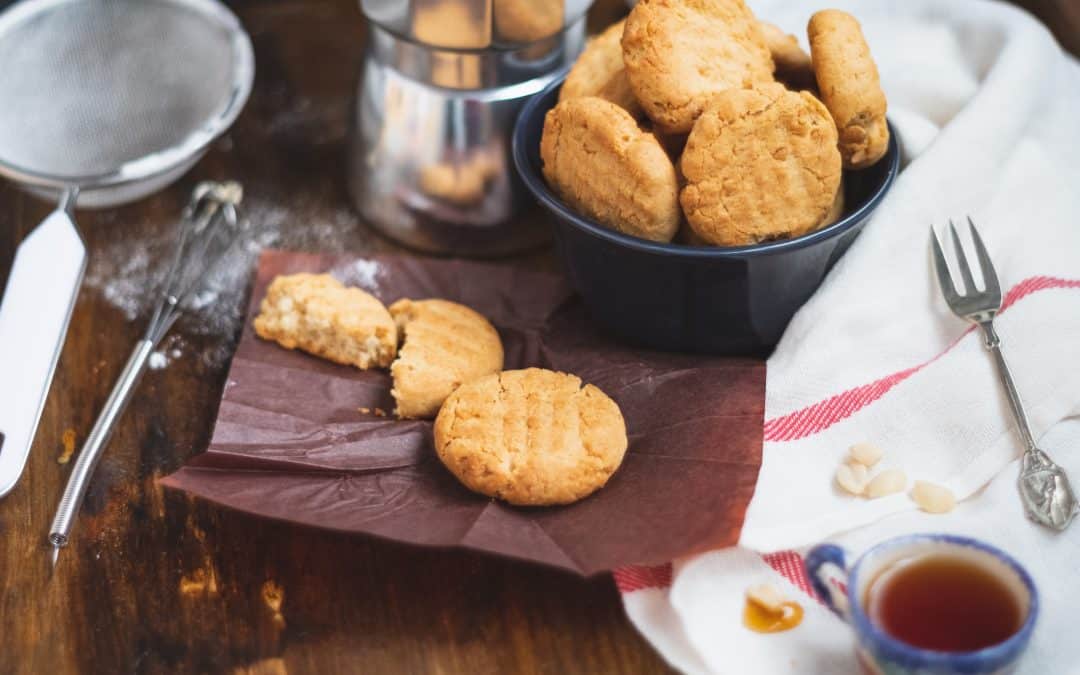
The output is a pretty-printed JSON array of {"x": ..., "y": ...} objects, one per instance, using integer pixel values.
[{"x": 691, "y": 298}]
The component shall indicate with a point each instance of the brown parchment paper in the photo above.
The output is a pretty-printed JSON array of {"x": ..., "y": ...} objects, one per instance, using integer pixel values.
[{"x": 291, "y": 443}]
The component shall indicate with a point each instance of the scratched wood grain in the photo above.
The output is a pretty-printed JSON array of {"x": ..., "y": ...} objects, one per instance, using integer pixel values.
[{"x": 157, "y": 583}]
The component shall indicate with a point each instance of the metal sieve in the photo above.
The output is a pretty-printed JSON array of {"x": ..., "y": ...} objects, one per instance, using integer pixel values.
[
  {"x": 104, "y": 102},
  {"x": 116, "y": 97}
]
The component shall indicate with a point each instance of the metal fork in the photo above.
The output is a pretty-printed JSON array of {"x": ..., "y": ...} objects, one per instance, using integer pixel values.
[{"x": 1044, "y": 488}]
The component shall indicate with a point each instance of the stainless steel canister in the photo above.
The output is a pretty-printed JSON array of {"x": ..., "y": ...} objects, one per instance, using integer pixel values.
[{"x": 441, "y": 87}]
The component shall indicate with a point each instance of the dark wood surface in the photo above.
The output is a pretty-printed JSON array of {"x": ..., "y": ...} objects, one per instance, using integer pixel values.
[
  {"x": 157, "y": 583},
  {"x": 1061, "y": 16}
]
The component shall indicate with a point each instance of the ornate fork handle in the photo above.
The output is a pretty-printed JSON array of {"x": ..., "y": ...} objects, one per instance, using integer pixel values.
[
  {"x": 1044, "y": 489},
  {"x": 1048, "y": 498}
]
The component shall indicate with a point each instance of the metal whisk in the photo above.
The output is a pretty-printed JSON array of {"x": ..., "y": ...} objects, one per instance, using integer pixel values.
[{"x": 210, "y": 226}]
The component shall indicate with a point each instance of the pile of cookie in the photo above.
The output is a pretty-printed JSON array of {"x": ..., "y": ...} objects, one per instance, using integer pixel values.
[
  {"x": 691, "y": 120},
  {"x": 529, "y": 437}
]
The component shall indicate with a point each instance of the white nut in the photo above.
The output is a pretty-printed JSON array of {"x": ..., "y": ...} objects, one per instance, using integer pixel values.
[
  {"x": 851, "y": 478},
  {"x": 933, "y": 498},
  {"x": 888, "y": 482},
  {"x": 767, "y": 597},
  {"x": 866, "y": 454}
]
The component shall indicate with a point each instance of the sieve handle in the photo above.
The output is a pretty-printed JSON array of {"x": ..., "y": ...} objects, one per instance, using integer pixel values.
[{"x": 34, "y": 315}]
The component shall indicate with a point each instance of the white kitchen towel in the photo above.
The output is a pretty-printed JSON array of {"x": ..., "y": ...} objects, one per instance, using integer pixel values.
[
  {"x": 987, "y": 110},
  {"x": 692, "y": 613}
]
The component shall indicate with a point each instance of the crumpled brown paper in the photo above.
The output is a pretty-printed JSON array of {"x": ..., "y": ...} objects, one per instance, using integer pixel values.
[{"x": 292, "y": 443}]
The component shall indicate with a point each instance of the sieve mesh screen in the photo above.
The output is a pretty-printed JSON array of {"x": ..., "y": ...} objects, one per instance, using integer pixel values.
[{"x": 87, "y": 86}]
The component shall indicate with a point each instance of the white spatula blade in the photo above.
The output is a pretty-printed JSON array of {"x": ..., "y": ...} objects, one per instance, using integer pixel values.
[{"x": 34, "y": 315}]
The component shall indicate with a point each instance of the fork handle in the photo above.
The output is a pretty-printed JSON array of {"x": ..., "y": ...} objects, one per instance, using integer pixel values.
[{"x": 993, "y": 345}]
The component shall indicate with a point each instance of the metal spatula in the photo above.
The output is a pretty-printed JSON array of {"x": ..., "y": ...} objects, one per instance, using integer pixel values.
[{"x": 34, "y": 315}]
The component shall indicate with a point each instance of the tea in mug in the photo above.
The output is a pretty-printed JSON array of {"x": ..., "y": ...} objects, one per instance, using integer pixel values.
[{"x": 945, "y": 603}]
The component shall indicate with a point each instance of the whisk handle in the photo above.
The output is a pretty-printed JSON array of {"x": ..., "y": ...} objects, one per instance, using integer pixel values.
[{"x": 95, "y": 443}]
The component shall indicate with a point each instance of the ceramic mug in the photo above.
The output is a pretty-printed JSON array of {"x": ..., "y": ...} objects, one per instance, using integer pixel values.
[{"x": 843, "y": 585}]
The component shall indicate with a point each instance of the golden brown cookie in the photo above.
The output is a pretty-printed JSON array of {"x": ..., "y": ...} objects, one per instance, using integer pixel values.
[
  {"x": 679, "y": 52},
  {"x": 531, "y": 437},
  {"x": 848, "y": 80},
  {"x": 836, "y": 211},
  {"x": 444, "y": 345},
  {"x": 319, "y": 315},
  {"x": 599, "y": 72},
  {"x": 687, "y": 237},
  {"x": 793, "y": 65},
  {"x": 760, "y": 164},
  {"x": 605, "y": 167},
  {"x": 527, "y": 20}
]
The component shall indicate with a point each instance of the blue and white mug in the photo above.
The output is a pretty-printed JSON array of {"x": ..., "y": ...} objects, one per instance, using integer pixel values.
[{"x": 843, "y": 586}]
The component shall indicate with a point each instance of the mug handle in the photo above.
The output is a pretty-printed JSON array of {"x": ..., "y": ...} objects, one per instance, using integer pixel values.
[{"x": 826, "y": 567}]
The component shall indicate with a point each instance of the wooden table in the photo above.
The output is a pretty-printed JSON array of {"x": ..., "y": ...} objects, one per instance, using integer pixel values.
[{"x": 156, "y": 582}]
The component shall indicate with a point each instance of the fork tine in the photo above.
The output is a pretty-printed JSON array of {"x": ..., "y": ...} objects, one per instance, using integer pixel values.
[
  {"x": 942, "y": 269},
  {"x": 961, "y": 260},
  {"x": 989, "y": 275}
]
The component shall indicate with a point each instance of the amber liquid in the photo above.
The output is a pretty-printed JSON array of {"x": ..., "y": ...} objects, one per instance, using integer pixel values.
[
  {"x": 944, "y": 603},
  {"x": 760, "y": 620}
]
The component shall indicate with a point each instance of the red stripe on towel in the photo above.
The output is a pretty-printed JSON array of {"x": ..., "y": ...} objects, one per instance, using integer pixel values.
[
  {"x": 638, "y": 577},
  {"x": 822, "y": 415},
  {"x": 790, "y": 565},
  {"x": 817, "y": 417}
]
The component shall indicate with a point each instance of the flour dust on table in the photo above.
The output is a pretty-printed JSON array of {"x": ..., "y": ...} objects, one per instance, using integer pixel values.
[{"x": 128, "y": 273}]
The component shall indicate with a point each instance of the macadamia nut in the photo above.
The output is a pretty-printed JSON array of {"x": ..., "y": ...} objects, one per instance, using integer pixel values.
[
  {"x": 866, "y": 454},
  {"x": 888, "y": 482},
  {"x": 852, "y": 477},
  {"x": 933, "y": 498}
]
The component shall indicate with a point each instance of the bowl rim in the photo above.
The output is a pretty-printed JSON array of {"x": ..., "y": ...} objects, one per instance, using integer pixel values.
[{"x": 539, "y": 189}]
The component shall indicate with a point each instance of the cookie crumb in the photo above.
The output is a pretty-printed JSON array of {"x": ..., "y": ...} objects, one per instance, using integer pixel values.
[
  {"x": 273, "y": 596},
  {"x": 364, "y": 411},
  {"x": 272, "y": 666},
  {"x": 379, "y": 412},
  {"x": 67, "y": 440},
  {"x": 202, "y": 581}
]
